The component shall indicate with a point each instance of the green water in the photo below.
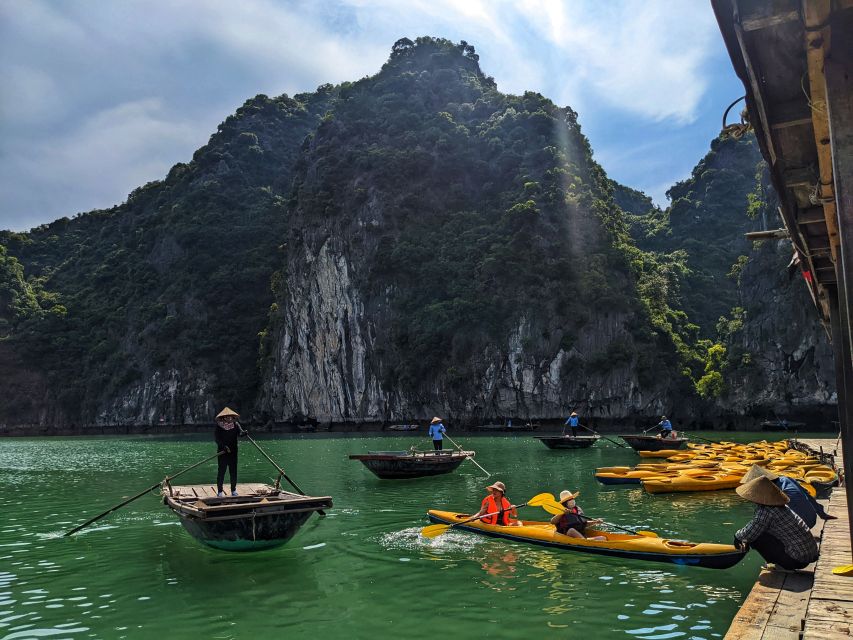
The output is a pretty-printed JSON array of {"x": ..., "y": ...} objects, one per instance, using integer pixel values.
[{"x": 362, "y": 571}]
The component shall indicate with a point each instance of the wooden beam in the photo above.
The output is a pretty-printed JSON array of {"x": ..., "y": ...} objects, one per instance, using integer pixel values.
[
  {"x": 799, "y": 177},
  {"x": 792, "y": 113},
  {"x": 816, "y": 16},
  {"x": 767, "y": 13},
  {"x": 813, "y": 215},
  {"x": 771, "y": 234},
  {"x": 838, "y": 71}
]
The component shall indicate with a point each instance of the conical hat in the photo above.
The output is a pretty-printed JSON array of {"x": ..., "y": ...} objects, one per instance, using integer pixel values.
[
  {"x": 762, "y": 491},
  {"x": 434, "y": 420},
  {"x": 227, "y": 412},
  {"x": 565, "y": 496},
  {"x": 757, "y": 472}
]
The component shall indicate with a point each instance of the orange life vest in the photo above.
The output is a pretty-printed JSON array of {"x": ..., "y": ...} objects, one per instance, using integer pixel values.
[{"x": 491, "y": 506}]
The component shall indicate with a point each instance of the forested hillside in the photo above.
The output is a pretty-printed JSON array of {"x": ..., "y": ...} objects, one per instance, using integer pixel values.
[{"x": 413, "y": 243}]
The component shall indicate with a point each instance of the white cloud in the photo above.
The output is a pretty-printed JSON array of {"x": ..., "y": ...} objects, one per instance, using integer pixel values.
[
  {"x": 641, "y": 57},
  {"x": 141, "y": 85}
]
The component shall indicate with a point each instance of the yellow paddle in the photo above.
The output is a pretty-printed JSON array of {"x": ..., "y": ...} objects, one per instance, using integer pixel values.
[
  {"x": 843, "y": 570},
  {"x": 557, "y": 509},
  {"x": 435, "y": 530}
]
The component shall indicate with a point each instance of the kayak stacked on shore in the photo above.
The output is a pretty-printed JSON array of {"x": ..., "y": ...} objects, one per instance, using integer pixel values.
[
  {"x": 636, "y": 547},
  {"x": 717, "y": 466}
]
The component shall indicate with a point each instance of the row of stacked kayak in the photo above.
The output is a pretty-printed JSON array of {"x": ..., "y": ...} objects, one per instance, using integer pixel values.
[{"x": 717, "y": 466}]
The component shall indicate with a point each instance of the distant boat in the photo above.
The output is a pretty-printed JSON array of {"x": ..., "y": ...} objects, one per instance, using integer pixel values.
[
  {"x": 781, "y": 425},
  {"x": 260, "y": 517},
  {"x": 505, "y": 427},
  {"x": 568, "y": 442},
  {"x": 653, "y": 443},
  {"x": 404, "y": 427},
  {"x": 399, "y": 465}
]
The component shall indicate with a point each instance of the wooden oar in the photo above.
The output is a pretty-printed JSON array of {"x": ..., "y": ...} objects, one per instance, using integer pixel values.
[
  {"x": 467, "y": 457},
  {"x": 273, "y": 463},
  {"x": 619, "y": 444},
  {"x": 435, "y": 530},
  {"x": 555, "y": 508},
  {"x": 142, "y": 493},
  {"x": 705, "y": 439}
]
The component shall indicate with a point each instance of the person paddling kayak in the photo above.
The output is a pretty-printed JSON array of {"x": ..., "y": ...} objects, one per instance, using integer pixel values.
[
  {"x": 498, "y": 506},
  {"x": 573, "y": 522}
]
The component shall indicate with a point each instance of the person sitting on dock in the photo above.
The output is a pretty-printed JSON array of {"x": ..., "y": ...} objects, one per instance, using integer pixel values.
[
  {"x": 665, "y": 428},
  {"x": 776, "y": 532},
  {"x": 573, "y": 522},
  {"x": 226, "y": 433},
  {"x": 496, "y": 509},
  {"x": 800, "y": 502},
  {"x": 436, "y": 428},
  {"x": 572, "y": 422}
]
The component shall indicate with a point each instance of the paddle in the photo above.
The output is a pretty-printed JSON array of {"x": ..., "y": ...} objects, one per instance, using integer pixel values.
[
  {"x": 435, "y": 530},
  {"x": 467, "y": 457},
  {"x": 705, "y": 439},
  {"x": 619, "y": 444},
  {"x": 142, "y": 493},
  {"x": 555, "y": 508},
  {"x": 273, "y": 463}
]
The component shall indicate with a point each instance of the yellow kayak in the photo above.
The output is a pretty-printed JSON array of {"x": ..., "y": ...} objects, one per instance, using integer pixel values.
[
  {"x": 636, "y": 547},
  {"x": 711, "y": 482}
]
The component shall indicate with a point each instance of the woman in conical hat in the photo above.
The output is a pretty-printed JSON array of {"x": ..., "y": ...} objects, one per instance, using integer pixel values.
[
  {"x": 800, "y": 502},
  {"x": 776, "y": 532},
  {"x": 226, "y": 433}
]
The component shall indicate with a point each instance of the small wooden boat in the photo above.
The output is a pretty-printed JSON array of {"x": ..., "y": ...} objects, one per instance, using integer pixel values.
[
  {"x": 568, "y": 442},
  {"x": 505, "y": 427},
  {"x": 398, "y": 465},
  {"x": 404, "y": 427},
  {"x": 653, "y": 443},
  {"x": 620, "y": 545},
  {"x": 260, "y": 517}
]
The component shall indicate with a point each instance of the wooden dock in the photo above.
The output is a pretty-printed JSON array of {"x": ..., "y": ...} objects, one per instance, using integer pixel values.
[{"x": 813, "y": 603}]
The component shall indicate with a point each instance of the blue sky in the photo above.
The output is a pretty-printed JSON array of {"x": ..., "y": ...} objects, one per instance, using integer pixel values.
[{"x": 100, "y": 97}]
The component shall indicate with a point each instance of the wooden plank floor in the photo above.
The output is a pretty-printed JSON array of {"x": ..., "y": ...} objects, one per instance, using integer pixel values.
[{"x": 812, "y": 603}]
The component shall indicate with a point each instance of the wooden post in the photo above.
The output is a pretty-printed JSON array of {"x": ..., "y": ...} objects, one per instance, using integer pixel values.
[{"x": 838, "y": 71}]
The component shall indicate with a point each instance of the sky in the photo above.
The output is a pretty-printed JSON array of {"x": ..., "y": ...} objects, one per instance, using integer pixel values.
[{"x": 99, "y": 97}]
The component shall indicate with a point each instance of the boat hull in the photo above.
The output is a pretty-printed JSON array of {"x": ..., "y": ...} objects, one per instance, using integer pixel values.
[
  {"x": 391, "y": 465},
  {"x": 708, "y": 555},
  {"x": 260, "y": 517},
  {"x": 567, "y": 442},
  {"x": 653, "y": 443}
]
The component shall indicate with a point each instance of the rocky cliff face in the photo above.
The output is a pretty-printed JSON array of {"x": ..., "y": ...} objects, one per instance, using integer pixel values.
[
  {"x": 467, "y": 268},
  {"x": 781, "y": 360},
  {"x": 433, "y": 247}
]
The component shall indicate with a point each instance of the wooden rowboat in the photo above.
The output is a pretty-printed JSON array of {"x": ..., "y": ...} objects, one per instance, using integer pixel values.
[
  {"x": 399, "y": 465},
  {"x": 568, "y": 442},
  {"x": 260, "y": 517},
  {"x": 653, "y": 443}
]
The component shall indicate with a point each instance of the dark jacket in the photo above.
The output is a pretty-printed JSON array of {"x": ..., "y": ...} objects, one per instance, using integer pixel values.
[
  {"x": 572, "y": 519},
  {"x": 227, "y": 438}
]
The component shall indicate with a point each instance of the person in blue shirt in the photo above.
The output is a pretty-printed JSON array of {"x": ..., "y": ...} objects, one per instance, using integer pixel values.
[
  {"x": 435, "y": 431},
  {"x": 800, "y": 502},
  {"x": 572, "y": 422},
  {"x": 665, "y": 427}
]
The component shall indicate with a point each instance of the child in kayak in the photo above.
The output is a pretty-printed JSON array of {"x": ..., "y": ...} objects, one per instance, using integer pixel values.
[{"x": 573, "y": 522}]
